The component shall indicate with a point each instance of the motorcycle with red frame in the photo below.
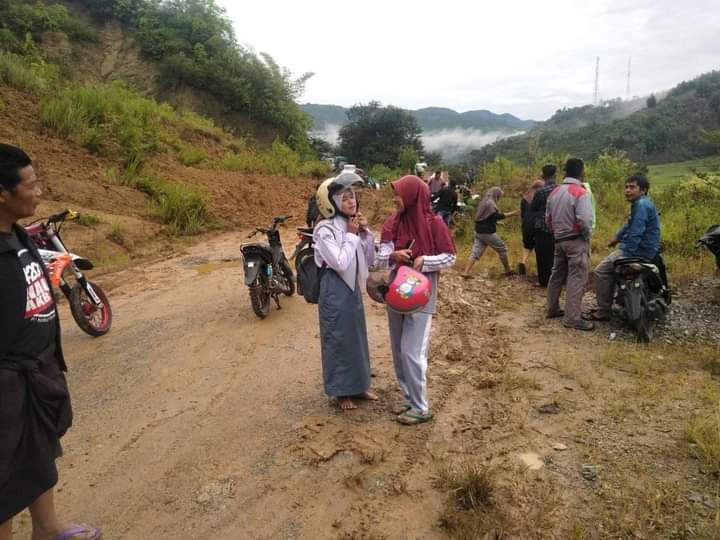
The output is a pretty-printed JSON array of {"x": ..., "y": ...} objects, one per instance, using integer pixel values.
[{"x": 89, "y": 304}]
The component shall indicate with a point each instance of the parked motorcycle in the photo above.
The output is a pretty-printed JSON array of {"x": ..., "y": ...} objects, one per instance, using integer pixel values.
[
  {"x": 89, "y": 304},
  {"x": 267, "y": 271},
  {"x": 711, "y": 240},
  {"x": 304, "y": 249},
  {"x": 642, "y": 296}
]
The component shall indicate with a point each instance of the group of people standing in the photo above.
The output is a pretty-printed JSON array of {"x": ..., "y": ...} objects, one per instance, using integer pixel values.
[{"x": 557, "y": 222}]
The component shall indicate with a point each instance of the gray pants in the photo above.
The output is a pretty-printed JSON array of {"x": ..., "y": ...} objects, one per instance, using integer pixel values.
[
  {"x": 410, "y": 340},
  {"x": 570, "y": 269},
  {"x": 605, "y": 283},
  {"x": 482, "y": 241}
]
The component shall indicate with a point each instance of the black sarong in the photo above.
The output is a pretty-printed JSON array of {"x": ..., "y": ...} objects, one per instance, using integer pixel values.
[{"x": 35, "y": 412}]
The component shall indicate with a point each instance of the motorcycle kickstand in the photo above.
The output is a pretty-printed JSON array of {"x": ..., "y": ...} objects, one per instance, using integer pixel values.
[{"x": 277, "y": 301}]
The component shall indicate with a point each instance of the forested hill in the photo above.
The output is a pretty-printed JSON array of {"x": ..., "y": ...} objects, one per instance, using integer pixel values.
[
  {"x": 671, "y": 128},
  {"x": 181, "y": 51},
  {"x": 429, "y": 118}
]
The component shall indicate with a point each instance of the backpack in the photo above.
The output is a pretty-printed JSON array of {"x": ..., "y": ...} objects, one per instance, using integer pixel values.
[{"x": 308, "y": 275}]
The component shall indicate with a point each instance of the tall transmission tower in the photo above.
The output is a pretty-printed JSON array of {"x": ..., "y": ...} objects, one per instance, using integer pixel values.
[
  {"x": 627, "y": 89},
  {"x": 597, "y": 76}
]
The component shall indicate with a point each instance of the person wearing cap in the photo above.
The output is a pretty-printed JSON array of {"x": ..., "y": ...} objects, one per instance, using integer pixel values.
[
  {"x": 344, "y": 249},
  {"x": 414, "y": 236}
]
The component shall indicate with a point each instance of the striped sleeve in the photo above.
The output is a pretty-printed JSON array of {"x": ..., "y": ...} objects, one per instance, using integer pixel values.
[
  {"x": 382, "y": 257},
  {"x": 435, "y": 263}
]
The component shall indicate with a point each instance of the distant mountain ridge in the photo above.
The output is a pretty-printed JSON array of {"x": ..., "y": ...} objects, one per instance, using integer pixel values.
[
  {"x": 665, "y": 127},
  {"x": 430, "y": 119}
]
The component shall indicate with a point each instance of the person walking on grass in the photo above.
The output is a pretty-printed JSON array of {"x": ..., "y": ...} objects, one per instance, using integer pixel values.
[
  {"x": 486, "y": 217},
  {"x": 345, "y": 247},
  {"x": 35, "y": 409},
  {"x": 543, "y": 238},
  {"x": 528, "y": 224},
  {"x": 413, "y": 235},
  {"x": 639, "y": 237},
  {"x": 569, "y": 217}
]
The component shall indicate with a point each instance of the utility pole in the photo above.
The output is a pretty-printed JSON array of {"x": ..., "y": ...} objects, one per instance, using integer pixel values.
[
  {"x": 597, "y": 76},
  {"x": 627, "y": 89}
]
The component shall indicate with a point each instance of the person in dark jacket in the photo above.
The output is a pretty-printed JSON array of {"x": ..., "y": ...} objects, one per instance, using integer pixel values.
[
  {"x": 486, "y": 217},
  {"x": 35, "y": 411},
  {"x": 528, "y": 224},
  {"x": 544, "y": 240},
  {"x": 639, "y": 237},
  {"x": 447, "y": 201}
]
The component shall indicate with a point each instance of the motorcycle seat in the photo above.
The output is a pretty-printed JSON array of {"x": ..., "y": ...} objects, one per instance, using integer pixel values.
[
  {"x": 636, "y": 263},
  {"x": 305, "y": 230}
]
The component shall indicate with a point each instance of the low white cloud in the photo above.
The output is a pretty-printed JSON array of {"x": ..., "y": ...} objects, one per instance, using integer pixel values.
[
  {"x": 457, "y": 142},
  {"x": 330, "y": 133}
]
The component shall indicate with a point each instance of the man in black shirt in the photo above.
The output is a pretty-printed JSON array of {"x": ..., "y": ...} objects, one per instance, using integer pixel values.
[
  {"x": 544, "y": 240},
  {"x": 447, "y": 201},
  {"x": 36, "y": 409}
]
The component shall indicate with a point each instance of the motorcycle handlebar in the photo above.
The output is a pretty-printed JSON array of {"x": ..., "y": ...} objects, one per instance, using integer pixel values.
[{"x": 55, "y": 218}]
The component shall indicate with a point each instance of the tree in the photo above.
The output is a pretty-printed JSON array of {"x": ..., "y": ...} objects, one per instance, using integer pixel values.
[
  {"x": 651, "y": 101},
  {"x": 713, "y": 137},
  {"x": 377, "y": 135}
]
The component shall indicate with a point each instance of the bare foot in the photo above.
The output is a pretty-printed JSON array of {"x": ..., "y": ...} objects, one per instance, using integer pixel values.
[
  {"x": 346, "y": 404},
  {"x": 369, "y": 396}
]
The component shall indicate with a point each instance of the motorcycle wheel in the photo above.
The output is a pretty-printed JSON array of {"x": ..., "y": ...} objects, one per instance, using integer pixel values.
[
  {"x": 645, "y": 326},
  {"x": 287, "y": 273},
  {"x": 91, "y": 319},
  {"x": 260, "y": 297}
]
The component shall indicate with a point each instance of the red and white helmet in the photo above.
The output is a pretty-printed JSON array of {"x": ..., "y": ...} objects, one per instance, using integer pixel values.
[{"x": 408, "y": 291}]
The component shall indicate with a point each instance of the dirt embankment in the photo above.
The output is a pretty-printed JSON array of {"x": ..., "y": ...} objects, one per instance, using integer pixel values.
[{"x": 75, "y": 178}]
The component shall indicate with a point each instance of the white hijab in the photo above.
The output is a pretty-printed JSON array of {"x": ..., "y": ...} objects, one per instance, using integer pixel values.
[{"x": 358, "y": 266}]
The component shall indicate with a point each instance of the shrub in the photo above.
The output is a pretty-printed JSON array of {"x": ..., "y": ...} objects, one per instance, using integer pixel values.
[
  {"x": 190, "y": 155},
  {"x": 87, "y": 220},
  {"x": 117, "y": 235},
  {"x": 17, "y": 72},
  {"x": 184, "y": 208},
  {"x": 383, "y": 173}
]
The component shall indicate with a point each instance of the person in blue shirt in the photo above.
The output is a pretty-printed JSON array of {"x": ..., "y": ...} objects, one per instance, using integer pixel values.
[{"x": 639, "y": 237}]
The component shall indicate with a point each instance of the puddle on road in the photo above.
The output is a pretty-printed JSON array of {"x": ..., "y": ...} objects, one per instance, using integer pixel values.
[{"x": 209, "y": 267}]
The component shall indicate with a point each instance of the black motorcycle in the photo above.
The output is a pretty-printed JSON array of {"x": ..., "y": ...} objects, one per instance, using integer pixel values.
[
  {"x": 711, "y": 240},
  {"x": 642, "y": 294},
  {"x": 267, "y": 271}
]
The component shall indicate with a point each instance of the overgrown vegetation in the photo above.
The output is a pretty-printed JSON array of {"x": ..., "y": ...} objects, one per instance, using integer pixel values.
[
  {"x": 22, "y": 23},
  {"x": 672, "y": 130},
  {"x": 194, "y": 44},
  {"x": 185, "y": 209}
]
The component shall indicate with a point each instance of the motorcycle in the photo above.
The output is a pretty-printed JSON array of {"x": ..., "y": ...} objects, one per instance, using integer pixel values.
[
  {"x": 711, "y": 240},
  {"x": 267, "y": 271},
  {"x": 89, "y": 304},
  {"x": 305, "y": 248},
  {"x": 642, "y": 295}
]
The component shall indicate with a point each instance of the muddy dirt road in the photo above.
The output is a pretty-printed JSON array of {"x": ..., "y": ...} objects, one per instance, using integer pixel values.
[{"x": 194, "y": 419}]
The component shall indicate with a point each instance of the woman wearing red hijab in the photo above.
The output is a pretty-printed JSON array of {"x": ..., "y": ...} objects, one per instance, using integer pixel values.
[{"x": 415, "y": 236}]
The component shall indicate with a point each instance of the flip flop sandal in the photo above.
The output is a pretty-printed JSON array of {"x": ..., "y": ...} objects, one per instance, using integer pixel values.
[
  {"x": 76, "y": 530},
  {"x": 411, "y": 419},
  {"x": 401, "y": 408}
]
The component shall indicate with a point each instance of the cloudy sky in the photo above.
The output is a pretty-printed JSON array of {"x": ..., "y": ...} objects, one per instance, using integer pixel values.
[{"x": 527, "y": 58}]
